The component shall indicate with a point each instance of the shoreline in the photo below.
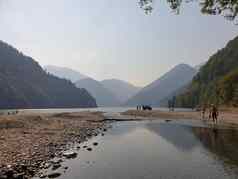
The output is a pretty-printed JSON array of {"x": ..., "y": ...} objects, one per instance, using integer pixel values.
[
  {"x": 29, "y": 141},
  {"x": 225, "y": 116}
]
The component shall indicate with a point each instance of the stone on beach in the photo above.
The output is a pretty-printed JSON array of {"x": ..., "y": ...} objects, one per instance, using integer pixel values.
[
  {"x": 70, "y": 155},
  {"x": 54, "y": 175},
  {"x": 95, "y": 143}
]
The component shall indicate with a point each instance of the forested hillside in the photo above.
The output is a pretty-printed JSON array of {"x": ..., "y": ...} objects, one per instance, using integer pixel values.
[
  {"x": 24, "y": 84},
  {"x": 217, "y": 80}
]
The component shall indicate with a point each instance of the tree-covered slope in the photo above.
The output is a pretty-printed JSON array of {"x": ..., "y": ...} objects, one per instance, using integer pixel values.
[
  {"x": 66, "y": 73},
  {"x": 24, "y": 84},
  {"x": 216, "y": 81}
]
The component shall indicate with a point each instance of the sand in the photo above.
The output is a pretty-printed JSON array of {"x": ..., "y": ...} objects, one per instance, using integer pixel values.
[{"x": 225, "y": 115}]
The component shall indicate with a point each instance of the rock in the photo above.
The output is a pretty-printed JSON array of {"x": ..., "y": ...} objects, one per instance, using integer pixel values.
[
  {"x": 54, "y": 175},
  {"x": 47, "y": 165},
  {"x": 89, "y": 149},
  {"x": 95, "y": 143},
  {"x": 42, "y": 176},
  {"x": 3, "y": 176},
  {"x": 56, "y": 166},
  {"x": 9, "y": 173},
  {"x": 70, "y": 155},
  {"x": 18, "y": 176}
]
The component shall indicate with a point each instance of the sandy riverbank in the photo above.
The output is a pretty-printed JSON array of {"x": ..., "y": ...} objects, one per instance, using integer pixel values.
[
  {"x": 27, "y": 141},
  {"x": 225, "y": 116}
]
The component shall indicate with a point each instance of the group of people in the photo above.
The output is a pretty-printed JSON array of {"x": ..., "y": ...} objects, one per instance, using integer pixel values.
[{"x": 213, "y": 113}]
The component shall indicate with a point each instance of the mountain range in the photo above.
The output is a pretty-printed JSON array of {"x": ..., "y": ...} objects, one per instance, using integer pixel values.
[
  {"x": 25, "y": 84},
  {"x": 109, "y": 92}
]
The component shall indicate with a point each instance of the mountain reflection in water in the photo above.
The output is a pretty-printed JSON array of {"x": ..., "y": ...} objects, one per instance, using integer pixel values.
[{"x": 155, "y": 149}]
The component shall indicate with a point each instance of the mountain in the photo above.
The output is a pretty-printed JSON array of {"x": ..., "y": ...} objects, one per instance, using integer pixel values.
[
  {"x": 103, "y": 96},
  {"x": 121, "y": 89},
  {"x": 65, "y": 73},
  {"x": 217, "y": 80},
  {"x": 161, "y": 88},
  {"x": 24, "y": 84}
]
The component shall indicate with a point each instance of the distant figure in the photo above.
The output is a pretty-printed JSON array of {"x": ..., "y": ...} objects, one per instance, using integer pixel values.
[
  {"x": 214, "y": 113},
  {"x": 203, "y": 112},
  {"x": 171, "y": 103}
]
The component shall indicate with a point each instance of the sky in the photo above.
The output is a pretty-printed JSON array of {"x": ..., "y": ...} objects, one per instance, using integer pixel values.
[{"x": 112, "y": 38}]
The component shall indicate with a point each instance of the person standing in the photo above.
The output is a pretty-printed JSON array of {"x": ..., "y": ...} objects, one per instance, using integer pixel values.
[
  {"x": 203, "y": 112},
  {"x": 214, "y": 113}
]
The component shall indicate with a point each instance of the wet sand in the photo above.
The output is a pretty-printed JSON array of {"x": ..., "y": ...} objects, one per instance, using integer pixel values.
[
  {"x": 228, "y": 116},
  {"x": 28, "y": 141}
]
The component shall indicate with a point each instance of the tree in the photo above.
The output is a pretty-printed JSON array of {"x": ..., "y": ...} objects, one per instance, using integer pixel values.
[{"x": 226, "y": 8}]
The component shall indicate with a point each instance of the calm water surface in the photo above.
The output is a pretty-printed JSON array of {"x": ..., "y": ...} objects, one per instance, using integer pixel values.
[{"x": 153, "y": 150}]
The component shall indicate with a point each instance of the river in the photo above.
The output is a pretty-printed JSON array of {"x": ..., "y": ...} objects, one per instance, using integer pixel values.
[{"x": 157, "y": 149}]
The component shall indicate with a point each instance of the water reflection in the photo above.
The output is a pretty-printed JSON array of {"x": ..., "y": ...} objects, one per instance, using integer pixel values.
[
  {"x": 180, "y": 136},
  {"x": 223, "y": 143},
  {"x": 152, "y": 150}
]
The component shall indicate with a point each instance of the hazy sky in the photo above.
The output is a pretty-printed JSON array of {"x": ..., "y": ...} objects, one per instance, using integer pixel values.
[{"x": 112, "y": 38}]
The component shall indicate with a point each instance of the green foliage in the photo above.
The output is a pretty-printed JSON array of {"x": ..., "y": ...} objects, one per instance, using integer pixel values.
[
  {"x": 217, "y": 80},
  {"x": 228, "y": 88},
  {"x": 227, "y": 8}
]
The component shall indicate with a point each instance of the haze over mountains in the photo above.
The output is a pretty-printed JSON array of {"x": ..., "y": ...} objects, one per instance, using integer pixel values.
[
  {"x": 122, "y": 90},
  {"x": 103, "y": 96},
  {"x": 161, "y": 88},
  {"x": 24, "y": 84},
  {"x": 114, "y": 92},
  {"x": 110, "y": 92},
  {"x": 64, "y": 72}
]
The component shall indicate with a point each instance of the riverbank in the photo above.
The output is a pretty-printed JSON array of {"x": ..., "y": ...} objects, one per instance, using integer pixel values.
[
  {"x": 226, "y": 115},
  {"x": 28, "y": 141}
]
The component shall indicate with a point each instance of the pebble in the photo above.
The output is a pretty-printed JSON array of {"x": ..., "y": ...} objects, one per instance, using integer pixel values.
[
  {"x": 89, "y": 149},
  {"x": 54, "y": 175},
  {"x": 95, "y": 143},
  {"x": 56, "y": 166},
  {"x": 70, "y": 155}
]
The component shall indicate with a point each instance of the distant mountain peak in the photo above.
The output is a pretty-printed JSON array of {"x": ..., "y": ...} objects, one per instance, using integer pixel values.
[
  {"x": 65, "y": 72},
  {"x": 159, "y": 89},
  {"x": 103, "y": 96},
  {"x": 123, "y": 90}
]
